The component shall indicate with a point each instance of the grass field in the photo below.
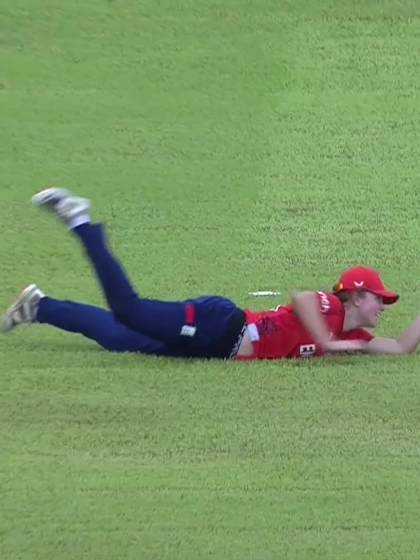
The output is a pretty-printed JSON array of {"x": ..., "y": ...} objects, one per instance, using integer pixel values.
[{"x": 229, "y": 146}]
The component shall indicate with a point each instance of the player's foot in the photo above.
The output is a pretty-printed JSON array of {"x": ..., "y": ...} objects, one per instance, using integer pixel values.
[
  {"x": 23, "y": 310},
  {"x": 72, "y": 210}
]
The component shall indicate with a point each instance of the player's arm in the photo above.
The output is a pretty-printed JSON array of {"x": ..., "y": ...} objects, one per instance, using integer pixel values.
[
  {"x": 405, "y": 344},
  {"x": 306, "y": 306}
]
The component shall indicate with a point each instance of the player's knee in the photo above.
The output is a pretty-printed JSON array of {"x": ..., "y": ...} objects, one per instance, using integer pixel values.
[{"x": 123, "y": 313}]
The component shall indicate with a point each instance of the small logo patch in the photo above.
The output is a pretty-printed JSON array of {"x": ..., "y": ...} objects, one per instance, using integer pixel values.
[
  {"x": 188, "y": 330},
  {"x": 358, "y": 284},
  {"x": 307, "y": 350}
]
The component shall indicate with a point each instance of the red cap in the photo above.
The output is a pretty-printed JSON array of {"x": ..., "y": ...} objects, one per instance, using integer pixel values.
[{"x": 362, "y": 278}]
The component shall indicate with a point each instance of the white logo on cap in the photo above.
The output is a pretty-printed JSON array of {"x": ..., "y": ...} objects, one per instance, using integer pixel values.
[{"x": 359, "y": 284}]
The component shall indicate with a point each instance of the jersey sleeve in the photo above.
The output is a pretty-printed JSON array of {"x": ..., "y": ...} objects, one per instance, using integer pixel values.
[
  {"x": 329, "y": 304},
  {"x": 357, "y": 334}
]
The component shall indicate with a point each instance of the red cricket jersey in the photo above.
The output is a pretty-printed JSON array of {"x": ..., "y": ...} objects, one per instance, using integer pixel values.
[{"x": 280, "y": 334}]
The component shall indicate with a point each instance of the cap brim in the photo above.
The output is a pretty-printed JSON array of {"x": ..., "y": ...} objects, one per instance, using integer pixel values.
[{"x": 388, "y": 297}]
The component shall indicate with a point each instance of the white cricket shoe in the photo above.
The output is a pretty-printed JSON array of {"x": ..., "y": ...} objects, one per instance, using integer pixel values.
[
  {"x": 72, "y": 210},
  {"x": 24, "y": 309},
  {"x": 50, "y": 196}
]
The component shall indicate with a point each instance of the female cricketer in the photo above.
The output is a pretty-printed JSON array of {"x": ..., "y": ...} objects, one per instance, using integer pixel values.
[{"x": 314, "y": 323}]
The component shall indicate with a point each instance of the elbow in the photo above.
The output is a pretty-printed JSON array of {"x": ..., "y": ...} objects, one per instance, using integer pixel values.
[
  {"x": 406, "y": 349},
  {"x": 302, "y": 302},
  {"x": 295, "y": 300},
  {"x": 296, "y": 296},
  {"x": 298, "y": 303},
  {"x": 302, "y": 297}
]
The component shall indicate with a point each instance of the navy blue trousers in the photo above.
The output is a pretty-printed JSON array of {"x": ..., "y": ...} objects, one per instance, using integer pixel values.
[{"x": 202, "y": 327}]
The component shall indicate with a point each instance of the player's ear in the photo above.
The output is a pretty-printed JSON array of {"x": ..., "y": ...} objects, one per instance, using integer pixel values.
[{"x": 356, "y": 298}]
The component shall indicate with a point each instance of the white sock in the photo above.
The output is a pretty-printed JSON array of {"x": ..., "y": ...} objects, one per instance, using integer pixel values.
[{"x": 78, "y": 221}]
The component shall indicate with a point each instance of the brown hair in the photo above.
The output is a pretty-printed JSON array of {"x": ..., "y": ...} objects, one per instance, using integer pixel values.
[{"x": 345, "y": 295}]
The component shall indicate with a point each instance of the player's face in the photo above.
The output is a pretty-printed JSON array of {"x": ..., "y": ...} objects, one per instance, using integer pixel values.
[{"x": 370, "y": 309}]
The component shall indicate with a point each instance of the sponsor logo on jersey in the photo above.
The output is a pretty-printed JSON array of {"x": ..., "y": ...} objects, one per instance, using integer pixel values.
[
  {"x": 325, "y": 302},
  {"x": 267, "y": 326}
]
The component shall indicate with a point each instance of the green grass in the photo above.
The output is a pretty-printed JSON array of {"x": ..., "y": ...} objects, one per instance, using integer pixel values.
[{"x": 229, "y": 146}]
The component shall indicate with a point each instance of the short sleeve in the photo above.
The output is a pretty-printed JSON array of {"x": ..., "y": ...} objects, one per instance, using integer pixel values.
[
  {"x": 329, "y": 304},
  {"x": 357, "y": 334}
]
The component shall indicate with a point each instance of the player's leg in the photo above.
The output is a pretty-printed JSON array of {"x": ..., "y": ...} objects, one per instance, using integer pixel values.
[
  {"x": 158, "y": 319},
  {"x": 92, "y": 322},
  {"x": 99, "y": 325},
  {"x": 203, "y": 327},
  {"x": 155, "y": 319}
]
